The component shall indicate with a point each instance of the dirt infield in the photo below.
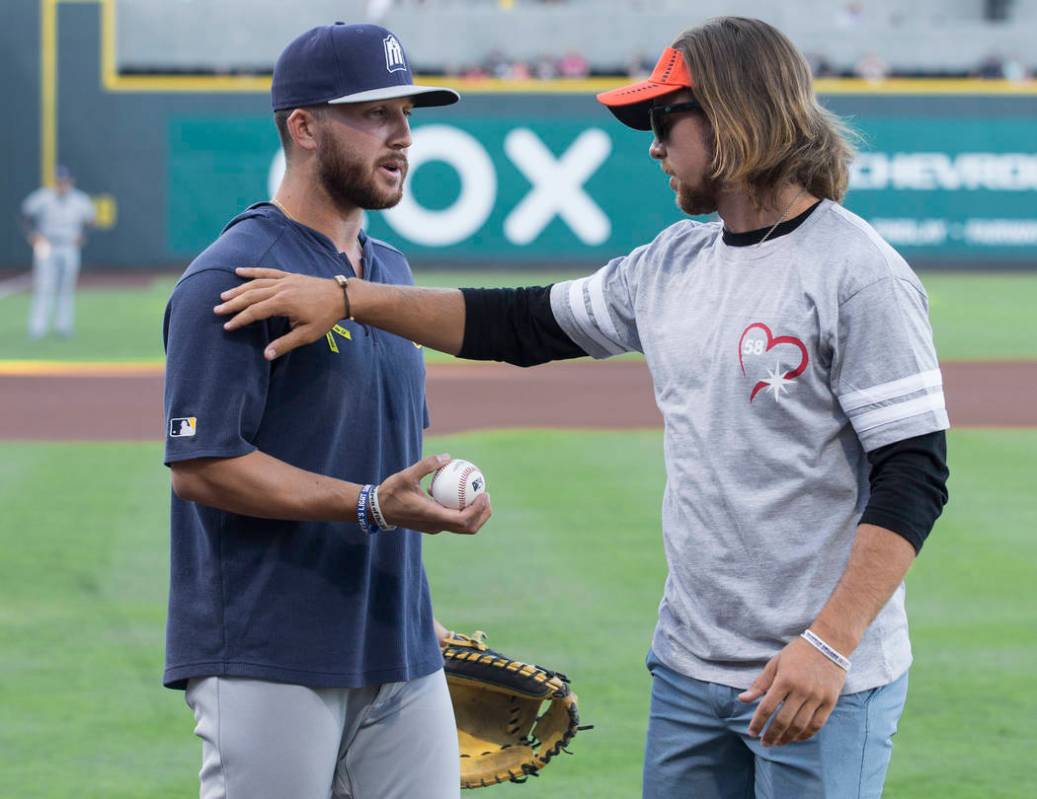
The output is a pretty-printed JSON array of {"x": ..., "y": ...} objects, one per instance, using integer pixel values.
[{"x": 101, "y": 403}]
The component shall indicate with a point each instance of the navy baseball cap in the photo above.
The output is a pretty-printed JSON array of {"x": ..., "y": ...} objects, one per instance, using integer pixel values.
[{"x": 343, "y": 63}]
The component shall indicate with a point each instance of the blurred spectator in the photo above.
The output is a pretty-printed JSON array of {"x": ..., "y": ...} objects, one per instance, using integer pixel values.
[
  {"x": 497, "y": 65},
  {"x": 871, "y": 66},
  {"x": 520, "y": 71},
  {"x": 639, "y": 66},
  {"x": 475, "y": 73},
  {"x": 1015, "y": 70},
  {"x": 573, "y": 65},
  {"x": 545, "y": 68},
  {"x": 990, "y": 67},
  {"x": 820, "y": 67}
]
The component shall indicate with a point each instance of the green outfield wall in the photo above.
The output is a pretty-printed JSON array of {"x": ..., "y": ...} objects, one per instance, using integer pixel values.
[{"x": 502, "y": 178}]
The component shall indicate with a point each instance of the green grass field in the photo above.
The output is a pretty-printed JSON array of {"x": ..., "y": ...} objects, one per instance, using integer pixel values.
[
  {"x": 974, "y": 316},
  {"x": 83, "y": 589},
  {"x": 83, "y": 576}
]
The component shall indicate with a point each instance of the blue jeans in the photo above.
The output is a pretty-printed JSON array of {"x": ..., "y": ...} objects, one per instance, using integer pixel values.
[{"x": 698, "y": 745}]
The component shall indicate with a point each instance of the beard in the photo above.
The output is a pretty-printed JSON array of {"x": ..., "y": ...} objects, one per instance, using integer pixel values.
[
  {"x": 350, "y": 183},
  {"x": 700, "y": 200}
]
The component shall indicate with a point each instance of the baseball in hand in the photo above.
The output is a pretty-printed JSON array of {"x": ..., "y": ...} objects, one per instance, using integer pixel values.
[{"x": 457, "y": 484}]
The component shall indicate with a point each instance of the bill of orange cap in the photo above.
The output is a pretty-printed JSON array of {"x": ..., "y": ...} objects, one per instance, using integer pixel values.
[{"x": 630, "y": 104}]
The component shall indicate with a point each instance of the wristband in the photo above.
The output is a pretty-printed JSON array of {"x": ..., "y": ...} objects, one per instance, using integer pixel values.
[
  {"x": 343, "y": 283},
  {"x": 376, "y": 512},
  {"x": 363, "y": 510},
  {"x": 815, "y": 641}
]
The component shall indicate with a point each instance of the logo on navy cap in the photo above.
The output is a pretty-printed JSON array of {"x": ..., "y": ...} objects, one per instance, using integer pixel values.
[{"x": 393, "y": 55}]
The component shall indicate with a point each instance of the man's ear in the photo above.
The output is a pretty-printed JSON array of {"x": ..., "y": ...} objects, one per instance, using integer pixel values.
[{"x": 303, "y": 125}]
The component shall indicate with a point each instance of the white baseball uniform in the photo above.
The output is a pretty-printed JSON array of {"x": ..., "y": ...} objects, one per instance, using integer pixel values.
[{"x": 60, "y": 219}]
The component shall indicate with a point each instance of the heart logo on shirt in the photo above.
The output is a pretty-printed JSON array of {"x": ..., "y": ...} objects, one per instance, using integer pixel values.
[{"x": 777, "y": 381}]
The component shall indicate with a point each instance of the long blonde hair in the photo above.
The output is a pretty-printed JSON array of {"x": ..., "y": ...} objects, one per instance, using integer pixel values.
[{"x": 755, "y": 89}]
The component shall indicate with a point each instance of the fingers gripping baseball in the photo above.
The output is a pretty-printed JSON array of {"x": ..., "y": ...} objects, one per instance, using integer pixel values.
[{"x": 405, "y": 504}]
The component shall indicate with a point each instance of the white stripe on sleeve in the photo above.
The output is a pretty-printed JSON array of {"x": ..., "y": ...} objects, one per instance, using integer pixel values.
[
  {"x": 578, "y": 306},
  {"x": 895, "y": 413},
  {"x": 596, "y": 290},
  {"x": 891, "y": 390}
]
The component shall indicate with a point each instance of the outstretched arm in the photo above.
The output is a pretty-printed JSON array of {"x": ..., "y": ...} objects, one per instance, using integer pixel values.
[
  {"x": 513, "y": 325},
  {"x": 431, "y": 317}
]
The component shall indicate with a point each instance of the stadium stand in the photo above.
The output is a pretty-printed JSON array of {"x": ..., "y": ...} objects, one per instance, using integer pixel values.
[{"x": 523, "y": 38}]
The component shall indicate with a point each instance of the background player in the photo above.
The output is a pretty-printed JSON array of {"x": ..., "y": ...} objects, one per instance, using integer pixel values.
[
  {"x": 300, "y": 621},
  {"x": 54, "y": 219}
]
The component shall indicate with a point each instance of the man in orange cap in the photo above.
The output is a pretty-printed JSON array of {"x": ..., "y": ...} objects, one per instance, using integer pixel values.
[{"x": 793, "y": 363}]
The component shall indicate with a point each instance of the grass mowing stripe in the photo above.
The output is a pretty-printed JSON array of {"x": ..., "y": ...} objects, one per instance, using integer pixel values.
[{"x": 568, "y": 573}]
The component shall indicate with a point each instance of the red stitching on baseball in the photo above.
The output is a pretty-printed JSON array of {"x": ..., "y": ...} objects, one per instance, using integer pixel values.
[{"x": 461, "y": 486}]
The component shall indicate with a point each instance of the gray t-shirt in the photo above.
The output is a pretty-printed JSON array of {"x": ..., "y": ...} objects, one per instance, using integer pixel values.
[
  {"x": 776, "y": 368},
  {"x": 59, "y": 218}
]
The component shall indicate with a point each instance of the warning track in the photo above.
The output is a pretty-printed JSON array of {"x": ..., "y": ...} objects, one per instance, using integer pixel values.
[{"x": 104, "y": 402}]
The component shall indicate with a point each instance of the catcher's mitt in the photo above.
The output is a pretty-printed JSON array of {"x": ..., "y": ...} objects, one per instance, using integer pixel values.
[{"x": 497, "y": 701}]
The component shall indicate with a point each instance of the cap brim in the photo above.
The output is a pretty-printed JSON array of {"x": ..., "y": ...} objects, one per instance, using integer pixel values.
[
  {"x": 631, "y": 104},
  {"x": 424, "y": 96}
]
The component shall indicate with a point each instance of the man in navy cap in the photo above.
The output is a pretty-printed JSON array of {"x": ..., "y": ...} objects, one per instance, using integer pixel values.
[{"x": 300, "y": 622}]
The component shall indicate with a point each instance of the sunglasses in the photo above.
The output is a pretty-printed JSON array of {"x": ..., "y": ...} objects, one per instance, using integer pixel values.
[{"x": 659, "y": 115}]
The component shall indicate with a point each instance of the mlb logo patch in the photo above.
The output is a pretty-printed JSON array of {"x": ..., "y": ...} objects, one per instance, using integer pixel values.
[
  {"x": 393, "y": 54},
  {"x": 183, "y": 428}
]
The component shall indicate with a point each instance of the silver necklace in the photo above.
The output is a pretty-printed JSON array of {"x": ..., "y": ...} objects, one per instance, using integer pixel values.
[
  {"x": 781, "y": 218},
  {"x": 283, "y": 209}
]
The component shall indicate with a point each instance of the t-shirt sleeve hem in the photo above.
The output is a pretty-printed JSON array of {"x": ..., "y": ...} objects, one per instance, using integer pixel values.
[
  {"x": 218, "y": 452},
  {"x": 931, "y": 422}
]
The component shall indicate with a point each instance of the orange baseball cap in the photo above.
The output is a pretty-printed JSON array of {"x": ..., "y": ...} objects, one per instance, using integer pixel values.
[{"x": 630, "y": 104}]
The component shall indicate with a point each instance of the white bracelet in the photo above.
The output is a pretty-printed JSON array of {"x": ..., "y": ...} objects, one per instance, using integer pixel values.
[
  {"x": 376, "y": 511},
  {"x": 815, "y": 641}
]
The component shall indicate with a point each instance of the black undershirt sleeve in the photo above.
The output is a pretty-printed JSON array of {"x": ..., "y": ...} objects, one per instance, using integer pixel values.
[
  {"x": 908, "y": 486},
  {"x": 514, "y": 325}
]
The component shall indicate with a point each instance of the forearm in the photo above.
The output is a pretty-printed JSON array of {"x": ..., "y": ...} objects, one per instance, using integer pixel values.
[
  {"x": 431, "y": 317},
  {"x": 28, "y": 226},
  {"x": 513, "y": 325},
  {"x": 878, "y": 562},
  {"x": 265, "y": 487}
]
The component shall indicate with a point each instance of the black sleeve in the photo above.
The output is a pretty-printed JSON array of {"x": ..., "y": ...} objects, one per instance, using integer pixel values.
[
  {"x": 514, "y": 325},
  {"x": 908, "y": 486}
]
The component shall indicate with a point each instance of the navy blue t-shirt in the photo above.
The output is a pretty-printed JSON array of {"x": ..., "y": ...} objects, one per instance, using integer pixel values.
[{"x": 311, "y": 603}]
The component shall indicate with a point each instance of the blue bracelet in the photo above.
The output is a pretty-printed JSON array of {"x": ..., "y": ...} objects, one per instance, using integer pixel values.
[{"x": 363, "y": 510}]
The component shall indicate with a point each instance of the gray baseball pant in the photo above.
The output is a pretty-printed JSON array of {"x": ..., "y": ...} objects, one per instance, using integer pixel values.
[
  {"x": 54, "y": 279},
  {"x": 264, "y": 740}
]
